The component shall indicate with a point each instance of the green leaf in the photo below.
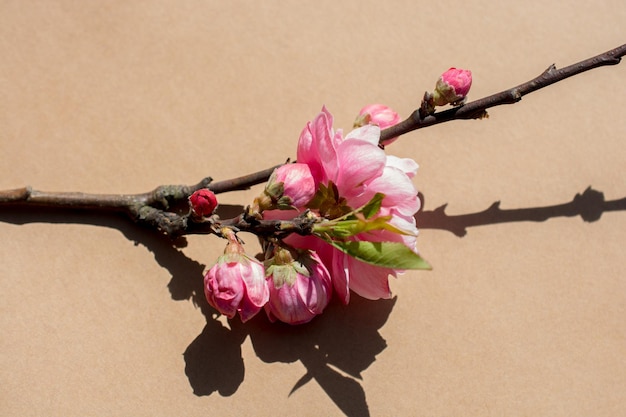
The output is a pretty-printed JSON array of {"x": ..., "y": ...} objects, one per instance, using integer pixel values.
[
  {"x": 394, "y": 255},
  {"x": 346, "y": 228},
  {"x": 373, "y": 206}
]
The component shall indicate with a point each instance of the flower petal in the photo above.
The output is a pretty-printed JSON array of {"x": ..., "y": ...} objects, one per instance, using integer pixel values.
[
  {"x": 256, "y": 286},
  {"x": 369, "y": 281},
  {"x": 359, "y": 161},
  {"x": 406, "y": 165},
  {"x": 400, "y": 193},
  {"x": 368, "y": 133}
]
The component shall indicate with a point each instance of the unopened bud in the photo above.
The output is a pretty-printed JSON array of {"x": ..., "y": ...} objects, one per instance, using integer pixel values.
[
  {"x": 203, "y": 202},
  {"x": 452, "y": 87},
  {"x": 289, "y": 187},
  {"x": 377, "y": 114}
]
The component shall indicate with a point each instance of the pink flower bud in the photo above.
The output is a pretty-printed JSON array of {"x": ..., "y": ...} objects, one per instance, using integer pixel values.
[
  {"x": 299, "y": 289},
  {"x": 290, "y": 186},
  {"x": 377, "y": 114},
  {"x": 452, "y": 87},
  {"x": 236, "y": 283},
  {"x": 298, "y": 184},
  {"x": 203, "y": 202}
]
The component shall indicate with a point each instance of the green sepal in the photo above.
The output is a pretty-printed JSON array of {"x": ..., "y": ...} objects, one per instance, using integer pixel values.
[
  {"x": 275, "y": 190},
  {"x": 285, "y": 203},
  {"x": 328, "y": 203}
]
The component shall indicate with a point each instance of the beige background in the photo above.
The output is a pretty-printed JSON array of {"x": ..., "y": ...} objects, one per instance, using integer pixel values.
[{"x": 517, "y": 318}]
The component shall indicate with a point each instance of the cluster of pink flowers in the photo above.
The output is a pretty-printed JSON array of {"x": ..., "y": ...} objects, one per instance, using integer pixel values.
[
  {"x": 359, "y": 169},
  {"x": 363, "y": 203},
  {"x": 296, "y": 281}
]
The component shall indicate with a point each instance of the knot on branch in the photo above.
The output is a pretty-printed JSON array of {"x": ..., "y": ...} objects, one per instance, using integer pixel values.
[{"x": 171, "y": 224}]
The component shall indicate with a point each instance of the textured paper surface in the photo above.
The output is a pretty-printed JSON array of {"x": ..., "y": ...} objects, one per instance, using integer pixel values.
[{"x": 519, "y": 316}]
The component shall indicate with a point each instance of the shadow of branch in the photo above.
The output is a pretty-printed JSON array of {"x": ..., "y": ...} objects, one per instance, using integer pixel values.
[{"x": 589, "y": 205}]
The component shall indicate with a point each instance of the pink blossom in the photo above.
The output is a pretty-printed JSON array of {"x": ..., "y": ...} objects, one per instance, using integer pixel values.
[
  {"x": 452, "y": 87},
  {"x": 203, "y": 202},
  {"x": 298, "y": 186},
  {"x": 299, "y": 288},
  {"x": 289, "y": 187},
  {"x": 236, "y": 283},
  {"x": 377, "y": 114},
  {"x": 380, "y": 115},
  {"x": 359, "y": 169}
]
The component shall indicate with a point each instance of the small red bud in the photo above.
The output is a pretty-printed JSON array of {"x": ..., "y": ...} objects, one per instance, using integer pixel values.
[{"x": 203, "y": 202}]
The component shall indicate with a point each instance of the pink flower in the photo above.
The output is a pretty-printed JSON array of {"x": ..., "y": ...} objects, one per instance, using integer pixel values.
[
  {"x": 452, "y": 87},
  {"x": 359, "y": 169},
  {"x": 295, "y": 183},
  {"x": 300, "y": 289},
  {"x": 203, "y": 202},
  {"x": 380, "y": 115},
  {"x": 236, "y": 283},
  {"x": 377, "y": 114},
  {"x": 289, "y": 187}
]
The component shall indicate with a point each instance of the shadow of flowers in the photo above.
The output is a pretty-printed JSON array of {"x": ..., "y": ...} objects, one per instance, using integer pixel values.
[{"x": 335, "y": 349}]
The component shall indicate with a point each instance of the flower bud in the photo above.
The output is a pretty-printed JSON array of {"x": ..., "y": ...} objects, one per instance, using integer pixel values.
[
  {"x": 236, "y": 283},
  {"x": 299, "y": 288},
  {"x": 377, "y": 114},
  {"x": 203, "y": 202},
  {"x": 290, "y": 187},
  {"x": 452, "y": 87}
]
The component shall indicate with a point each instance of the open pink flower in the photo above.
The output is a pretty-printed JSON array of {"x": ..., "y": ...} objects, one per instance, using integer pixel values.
[
  {"x": 359, "y": 169},
  {"x": 236, "y": 283}
]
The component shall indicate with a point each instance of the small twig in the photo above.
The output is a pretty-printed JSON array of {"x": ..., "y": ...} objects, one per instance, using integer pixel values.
[
  {"x": 478, "y": 109},
  {"x": 242, "y": 183}
]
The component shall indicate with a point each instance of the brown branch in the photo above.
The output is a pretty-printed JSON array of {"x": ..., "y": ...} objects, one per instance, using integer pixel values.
[
  {"x": 157, "y": 208},
  {"x": 243, "y": 183},
  {"x": 151, "y": 208}
]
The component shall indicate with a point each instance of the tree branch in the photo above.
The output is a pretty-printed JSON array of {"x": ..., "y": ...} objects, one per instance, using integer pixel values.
[
  {"x": 151, "y": 208},
  {"x": 158, "y": 208}
]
